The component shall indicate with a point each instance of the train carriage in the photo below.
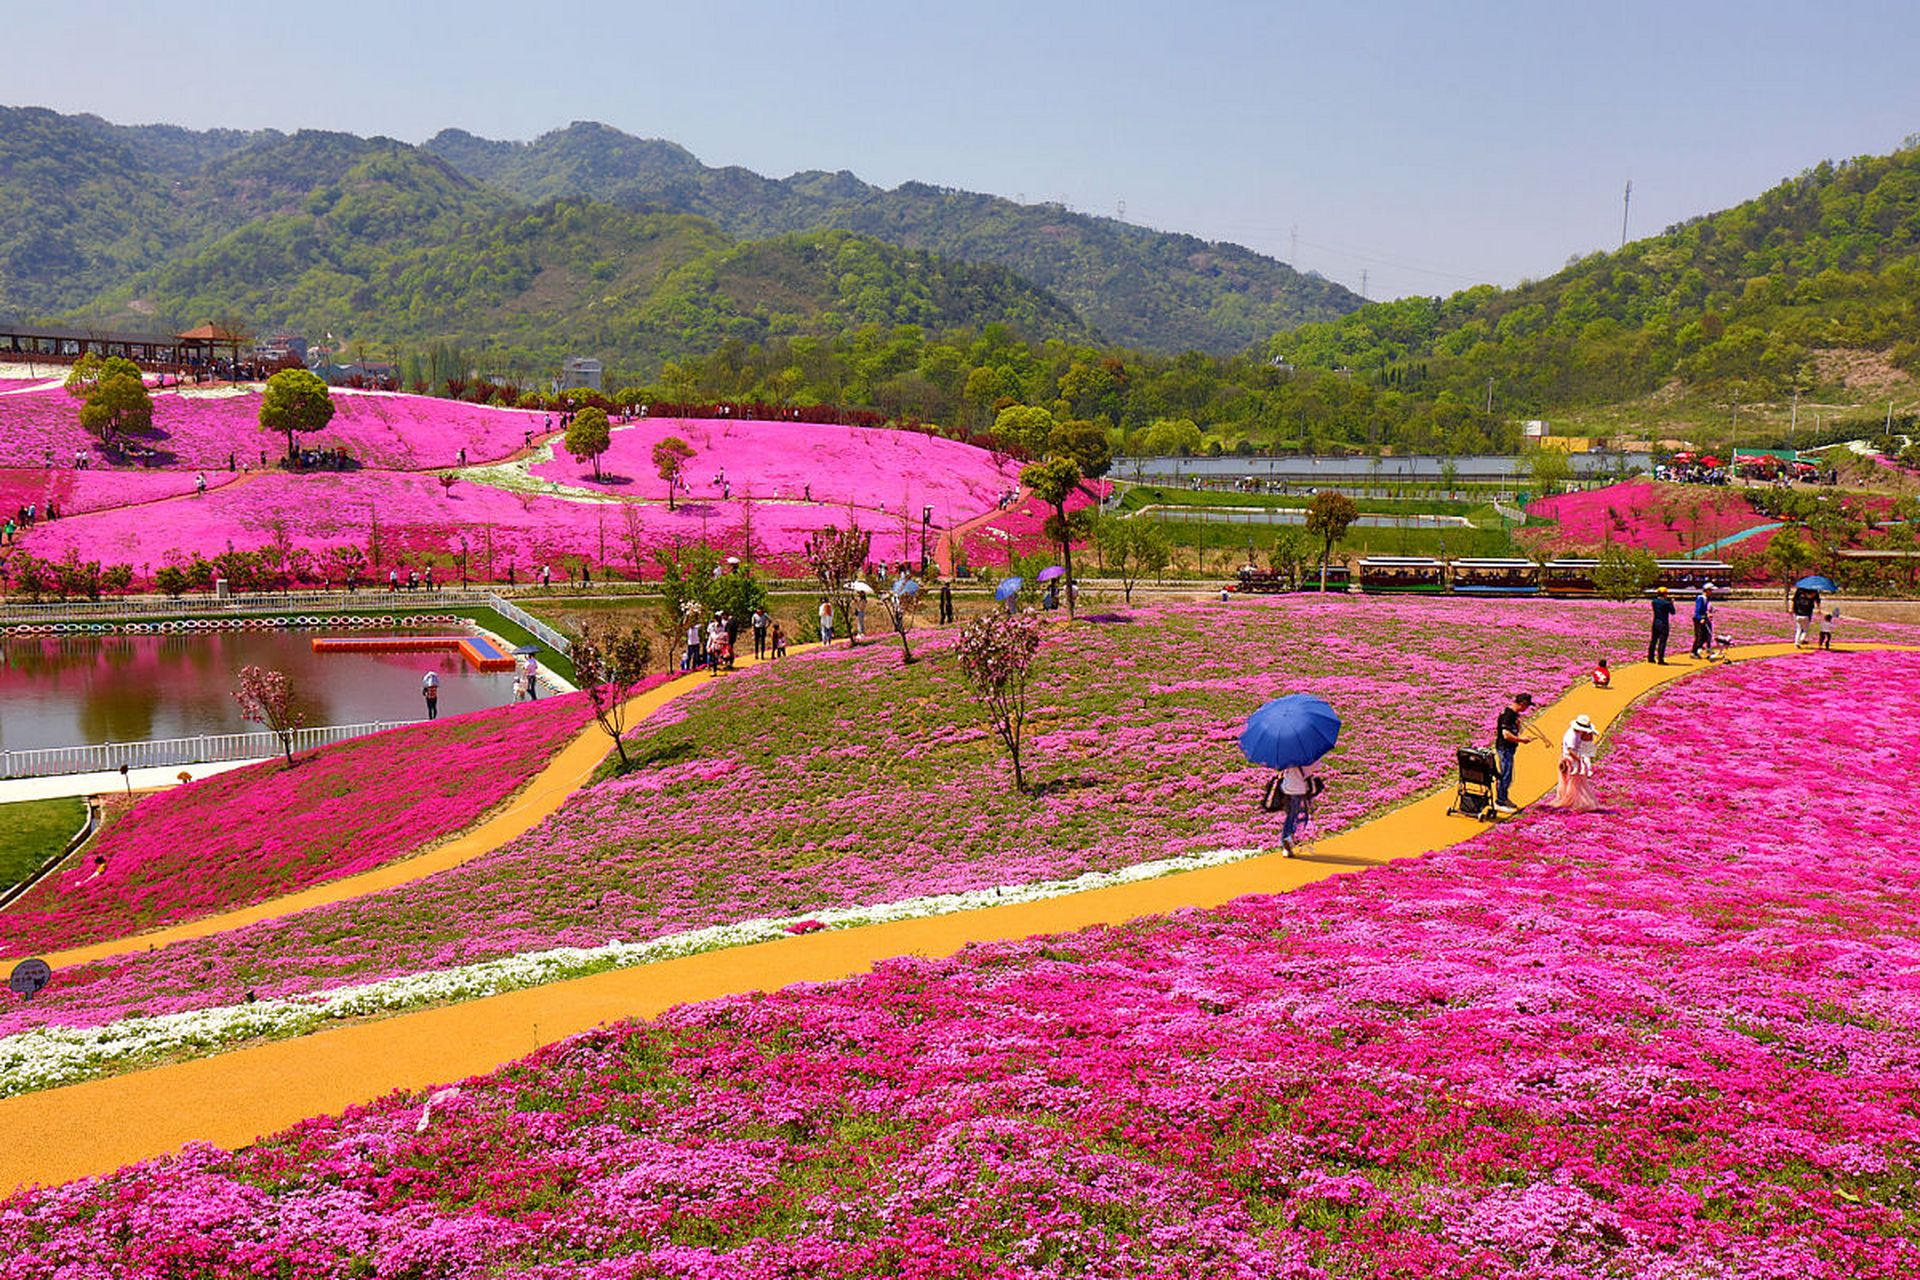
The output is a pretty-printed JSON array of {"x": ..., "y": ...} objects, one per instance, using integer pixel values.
[
  {"x": 1689, "y": 576},
  {"x": 1490, "y": 576},
  {"x": 1569, "y": 576},
  {"x": 1402, "y": 575}
]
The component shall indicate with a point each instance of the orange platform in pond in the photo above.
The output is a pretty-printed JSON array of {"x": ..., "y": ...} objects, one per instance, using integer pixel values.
[{"x": 481, "y": 654}]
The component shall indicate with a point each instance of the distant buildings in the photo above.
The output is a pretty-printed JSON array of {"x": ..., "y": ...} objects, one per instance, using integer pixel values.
[
  {"x": 580, "y": 371},
  {"x": 280, "y": 348}
]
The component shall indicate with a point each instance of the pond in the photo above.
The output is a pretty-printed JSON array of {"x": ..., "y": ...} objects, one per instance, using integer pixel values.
[{"x": 58, "y": 691}]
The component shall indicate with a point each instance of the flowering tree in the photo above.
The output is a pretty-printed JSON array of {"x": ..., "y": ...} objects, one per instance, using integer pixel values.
[
  {"x": 609, "y": 661},
  {"x": 670, "y": 458},
  {"x": 266, "y": 697},
  {"x": 836, "y": 556},
  {"x": 902, "y": 607},
  {"x": 996, "y": 653}
]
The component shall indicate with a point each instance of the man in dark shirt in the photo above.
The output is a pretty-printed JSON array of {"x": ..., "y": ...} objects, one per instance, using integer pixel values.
[
  {"x": 1508, "y": 733},
  {"x": 1806, "y": 602},
  {"x": 1662, "y": 623}
]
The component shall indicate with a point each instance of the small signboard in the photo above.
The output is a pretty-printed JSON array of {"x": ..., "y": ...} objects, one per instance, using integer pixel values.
[{"x": 30, "y": 978}]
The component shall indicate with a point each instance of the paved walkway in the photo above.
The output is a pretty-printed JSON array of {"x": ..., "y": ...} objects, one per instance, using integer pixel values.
[
  {"x": 157, "y": 778},
  {"x": 234, "y": 1098}
]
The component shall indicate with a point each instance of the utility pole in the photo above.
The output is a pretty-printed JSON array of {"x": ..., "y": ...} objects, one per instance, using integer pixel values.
[{"x": 1626, "y": 202}]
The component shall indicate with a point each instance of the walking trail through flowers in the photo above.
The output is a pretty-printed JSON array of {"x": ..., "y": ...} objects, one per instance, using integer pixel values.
[{"x": 234, "y": 1098}]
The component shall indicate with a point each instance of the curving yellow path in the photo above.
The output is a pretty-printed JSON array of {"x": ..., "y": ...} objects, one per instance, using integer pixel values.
[
  {"x": 564, "y": 774},
  {"x": 234, "y": 1098}
]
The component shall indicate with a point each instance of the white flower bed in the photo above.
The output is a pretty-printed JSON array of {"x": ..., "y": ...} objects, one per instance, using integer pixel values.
[{"x": 49, "y": 1056}]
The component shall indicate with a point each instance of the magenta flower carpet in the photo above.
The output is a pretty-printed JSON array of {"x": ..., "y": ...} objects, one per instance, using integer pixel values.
[
  {"x": 251, "y": 834},
  {"x": 754, "y": 489},
  {"x": 1666, "y": 519},
  {"x": 1675, "y": 1039},
  {"x": 784, "y": 790}
]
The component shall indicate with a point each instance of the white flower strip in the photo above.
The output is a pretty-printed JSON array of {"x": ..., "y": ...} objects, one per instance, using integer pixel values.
[
  {"x": 516, "y": 476},
  {"x": 49, "y": 1056}
]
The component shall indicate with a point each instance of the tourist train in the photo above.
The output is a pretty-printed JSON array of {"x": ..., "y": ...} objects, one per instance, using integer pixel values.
[{"x": 1425, "y": 575}]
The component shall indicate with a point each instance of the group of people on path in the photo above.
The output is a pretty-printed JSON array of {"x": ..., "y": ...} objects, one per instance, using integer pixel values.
[
  {"x": 526, "y": 685},
  {"x": 1578, "y": 745},
  {"x": 1811, "y": 623}
]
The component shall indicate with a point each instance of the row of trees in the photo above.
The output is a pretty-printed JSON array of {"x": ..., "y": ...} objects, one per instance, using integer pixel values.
[{"x": 115, "y": 402}]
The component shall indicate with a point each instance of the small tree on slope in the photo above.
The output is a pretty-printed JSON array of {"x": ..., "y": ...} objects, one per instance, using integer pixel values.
[
  {"x": 266, "y": 697},
  {"x": 996, "y": 653},
  {"x": 609, "y": 661}
]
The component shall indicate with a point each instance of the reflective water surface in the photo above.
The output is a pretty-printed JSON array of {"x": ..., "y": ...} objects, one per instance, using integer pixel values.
[{"x": 66, "y": 690}]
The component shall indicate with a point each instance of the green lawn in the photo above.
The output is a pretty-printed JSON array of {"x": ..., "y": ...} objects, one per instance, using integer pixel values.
[
  {"x": 32, "y": 831},
  {"x": 1357, "y": 542}
]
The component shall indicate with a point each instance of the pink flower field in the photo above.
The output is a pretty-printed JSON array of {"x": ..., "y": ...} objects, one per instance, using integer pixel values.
[
  {"x": 1636, "y": 514},
  {"x": 842, "y": 779},
  {"x": 1020, "y": 530},
  {"x": 1675, "y": 1039},
  {"x": 242, "y": 837},
  {"x": 411, "y": 515},
  {"x": 772, "y": 466},
  {"x": 871, "y": 468},
  {"x": 380, "y": 429},
  {"x": 78, "y": 492}
]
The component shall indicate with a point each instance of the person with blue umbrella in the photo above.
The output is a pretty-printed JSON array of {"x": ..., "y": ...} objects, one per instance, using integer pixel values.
[
  {"x": 1008, "y": 592},
  {"x": 1289, "y": 734},
  {"x": 1806, "y": 603}
]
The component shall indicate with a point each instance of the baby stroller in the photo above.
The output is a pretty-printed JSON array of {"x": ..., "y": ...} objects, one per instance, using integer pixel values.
[{"x": 1479, "y": 774}]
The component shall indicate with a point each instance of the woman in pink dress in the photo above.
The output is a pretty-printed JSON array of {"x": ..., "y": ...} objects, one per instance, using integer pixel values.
[{"x": 1576, "y": 793}]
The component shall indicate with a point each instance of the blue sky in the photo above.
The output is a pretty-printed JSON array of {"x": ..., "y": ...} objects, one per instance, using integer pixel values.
[{"x": 1430, "y": 145}]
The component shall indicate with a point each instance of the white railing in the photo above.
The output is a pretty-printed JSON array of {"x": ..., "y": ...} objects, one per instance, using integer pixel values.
[
  {"x": 161, "y": 753},
  {"x": 514, "y": 613}
]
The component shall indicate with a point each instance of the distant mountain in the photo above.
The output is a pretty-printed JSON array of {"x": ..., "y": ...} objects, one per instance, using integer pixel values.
[
  {"x": 100, "y": 221},
  {"x": 151, "y": 226},
  {"x": 1143, "y": 288},
  {"x": 1743, "y": 305}
]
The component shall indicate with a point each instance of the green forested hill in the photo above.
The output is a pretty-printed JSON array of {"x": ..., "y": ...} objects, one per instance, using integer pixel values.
[
  {"x": 400, "y": 238},
  {"x": 1140, "y": 287},
  {"x": 147, "y": 224},
  {"x": 1730, "y": 307}
]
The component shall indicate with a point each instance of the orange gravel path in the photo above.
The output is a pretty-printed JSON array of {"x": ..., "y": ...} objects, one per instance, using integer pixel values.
[{"x": 233, "y": 1098}]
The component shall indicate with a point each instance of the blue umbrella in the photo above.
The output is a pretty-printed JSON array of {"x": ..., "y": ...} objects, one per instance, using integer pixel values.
[
  {"x": 906, "y": 587},
  {"x": 1815, "y": 583},
  {"x": 1008, "y": 589},
  {"x": 1295, "y": 730}
]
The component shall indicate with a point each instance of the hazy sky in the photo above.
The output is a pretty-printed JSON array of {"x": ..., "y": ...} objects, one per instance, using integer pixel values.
[{"x": 1430, "y": 145}]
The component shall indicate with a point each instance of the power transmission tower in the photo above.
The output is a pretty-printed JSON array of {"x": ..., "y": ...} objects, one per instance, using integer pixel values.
[
  {"x": 1626, "y": 201},
  {"x": 1293, "y": 249},
  {"x": 1363, "y": 282},
  {"x": 1120, "y": 210}
]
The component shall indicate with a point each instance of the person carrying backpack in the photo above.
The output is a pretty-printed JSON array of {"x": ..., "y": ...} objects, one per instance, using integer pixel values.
[{"x": 1292, "y": 792}]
